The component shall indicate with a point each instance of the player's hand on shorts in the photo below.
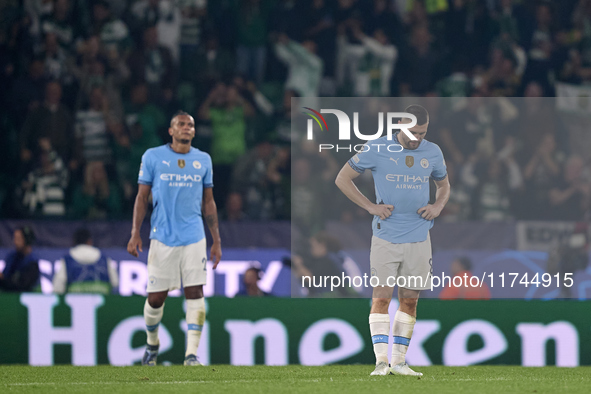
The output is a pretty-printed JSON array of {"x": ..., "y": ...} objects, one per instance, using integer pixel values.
[
  {"x": 134, "y": 244},
  {"x": 216, "y": 254},
  {"x": 429, "y": 212},
  {"x": 382, "y": 210}
]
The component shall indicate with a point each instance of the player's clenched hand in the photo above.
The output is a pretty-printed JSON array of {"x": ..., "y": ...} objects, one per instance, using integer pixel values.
[
  {"x": 382, "y": 210},
  {"x": 429, "y": 212},
  {"x": 134, "y": 244},
  {"x": 216, "y": 254}
]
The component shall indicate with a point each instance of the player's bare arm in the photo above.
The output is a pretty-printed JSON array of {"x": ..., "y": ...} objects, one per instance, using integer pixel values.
[
  {"x": 210, "y": 214},
  {"x": 139, "y": 212},
  {"x": 431, "y": 211},
  {"x": 344, "y": 181}
]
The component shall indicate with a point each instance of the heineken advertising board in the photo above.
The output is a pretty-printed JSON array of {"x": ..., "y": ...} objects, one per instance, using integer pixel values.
[{"x": 90, "y": 329}]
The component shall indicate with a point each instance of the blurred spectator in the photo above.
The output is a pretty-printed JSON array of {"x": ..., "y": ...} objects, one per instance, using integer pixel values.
[
  {"x": 93, "y": 129},
  {"x": 570, "y": 198},
  {"x": 96, "y": 75},
  {"x": 501, "y": 77},
  {"x": 540, "y": 44},
  {"x": 153, "y": 65},
  {"x": 569, "y": 256},
  {"x": 52, "y": 121},
  {"x": 250, "y": 286},
  {"x": 168, "y": 16},
  {"x": 113, "y": 33},
  {"x": 493, "y": 194},
  {"x": 305, "y": 68},
  {"x": 56, "y": 59},
  {"x": 193, "y": 17},
  {"x": 458, "y": 83},
  {"x": 421, "y": 64},
  {"x": 537, "y": 118},
  {"x": 44, "y": 190},
  {"x": 320, "y": 28},
  {"x": 249, "y": 178},
  {"x": 98, "y": 198},
  {"x": 540, "y": 174},
  {"x": 88, "y": 51},
  {"x": 321, "y": 257},
  {"x": 371, "y": 63},
  {"x": 461, "y": 267},
  {"x": 227, "y": 111},
  {"x": 305, "y": 193},
  {"x": 146, "y": 13},
  {"x": 210, "y": 64},
  {"x": 282, "y": 119},
  {"x": 577, "y": 68},
  {"x": 464, "y": 131},
  {"x": 60, "y": 23},
  {"x": 28, "y": 91},
  {"x": 146, "y": 124},
  {"x": 279, "y": 176},
  {"x": 288, "y": 17},
  {"x": 37, "y": 10},
  {"x": 251, "y": 53},
  {"x": 233, "y": 211},
  {"x": 382, "y": 17},
  {"x": 250, "y": 92},
  {"x": 85, "y": 269},
  {"x": 21, "y": 272},
  {"x": 458, "y": 208}
]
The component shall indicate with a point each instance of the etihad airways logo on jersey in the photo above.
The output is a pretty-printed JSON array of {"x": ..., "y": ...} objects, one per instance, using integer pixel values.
[
  {"x": 408, "y": 181},
  {"x": 180, "y": 177}
]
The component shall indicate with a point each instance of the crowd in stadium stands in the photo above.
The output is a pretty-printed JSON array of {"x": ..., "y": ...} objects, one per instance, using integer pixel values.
[{"x": 88, "y": 86}]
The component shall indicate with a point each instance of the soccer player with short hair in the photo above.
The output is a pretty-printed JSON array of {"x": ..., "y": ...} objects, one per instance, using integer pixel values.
[
  {"x": 180, "y": 179},
  {"x": 400, "y": 247}
]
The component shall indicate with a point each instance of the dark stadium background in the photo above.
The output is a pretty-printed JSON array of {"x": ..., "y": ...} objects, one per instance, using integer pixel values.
[{"x": 88, "y": 86}]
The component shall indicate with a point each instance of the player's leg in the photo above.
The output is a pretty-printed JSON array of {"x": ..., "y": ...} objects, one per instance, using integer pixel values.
[
  {"x": 382, "y": 255},
  {"x": 379, "y": 327},
  {"x": 153, "y": 311},
  {"x": 416, "y": 269},
  {"x": 195, "y": 318},
  {"x": 404, "y": 323},
  {"x": 194, "y": 273},
  {"x": 162, "y": 277}
]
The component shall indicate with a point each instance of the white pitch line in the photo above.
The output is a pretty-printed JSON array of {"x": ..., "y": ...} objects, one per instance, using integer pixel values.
[{"x": 147, "y": 382}]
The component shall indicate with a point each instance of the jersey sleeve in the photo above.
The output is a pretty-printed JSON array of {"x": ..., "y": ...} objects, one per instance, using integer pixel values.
[
  {"x": 146, "y": 175},
  {"x": 208, "y": 178},
  {"x": 362, "y": 161},
  {"x": 439, "y": 169}
]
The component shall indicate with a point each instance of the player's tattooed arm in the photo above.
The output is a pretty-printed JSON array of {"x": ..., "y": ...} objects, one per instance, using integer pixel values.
[
  {"x": 210, "y": 214},
  {"x": 212, "y": 220}
]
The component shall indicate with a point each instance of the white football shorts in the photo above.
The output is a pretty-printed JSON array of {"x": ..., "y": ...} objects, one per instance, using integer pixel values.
[
  {"x": 407, "y": 265},
  {"x": 167, "y": 265}
]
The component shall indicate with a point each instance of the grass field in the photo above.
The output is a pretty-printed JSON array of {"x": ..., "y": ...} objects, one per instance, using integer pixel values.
[{"x": 291, "y": 379}]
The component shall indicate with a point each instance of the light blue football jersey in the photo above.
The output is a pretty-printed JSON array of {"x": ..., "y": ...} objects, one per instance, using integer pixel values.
[
  {"x": 401, "y": 179},
  {"x": 177, "y": 182}
]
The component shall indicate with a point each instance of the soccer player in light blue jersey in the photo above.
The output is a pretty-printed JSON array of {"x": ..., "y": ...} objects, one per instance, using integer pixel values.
[
  {"x": 400, "y": 247},
  {"x": 180, "y": 179}
]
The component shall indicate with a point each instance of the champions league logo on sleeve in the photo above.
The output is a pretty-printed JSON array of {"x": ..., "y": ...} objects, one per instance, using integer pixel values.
[{"x": 345, "y": 129}]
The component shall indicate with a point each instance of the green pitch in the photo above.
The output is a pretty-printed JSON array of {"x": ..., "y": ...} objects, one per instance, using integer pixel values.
[{"x": 291, "y": 379}]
